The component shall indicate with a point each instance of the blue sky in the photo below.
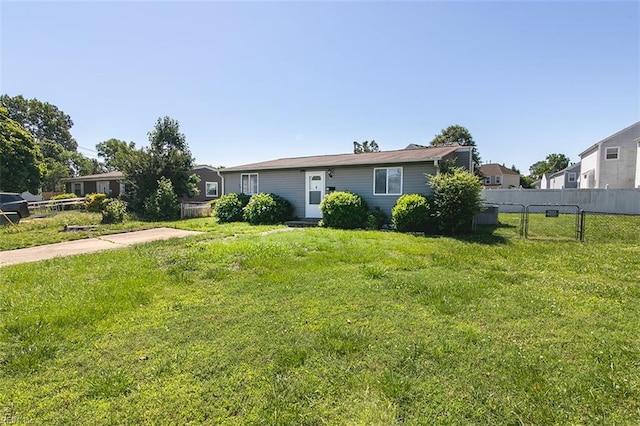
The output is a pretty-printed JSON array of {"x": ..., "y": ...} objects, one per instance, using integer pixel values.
[{"x": 254, "y": 81}]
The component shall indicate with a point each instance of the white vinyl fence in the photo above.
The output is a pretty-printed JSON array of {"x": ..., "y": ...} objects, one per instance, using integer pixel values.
[
  {"x": 621, "y": 201},
  {"x": 189, "y": 210}
]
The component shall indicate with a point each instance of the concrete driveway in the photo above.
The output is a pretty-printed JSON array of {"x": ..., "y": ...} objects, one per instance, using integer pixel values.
[{"x": 89, "y": 245}]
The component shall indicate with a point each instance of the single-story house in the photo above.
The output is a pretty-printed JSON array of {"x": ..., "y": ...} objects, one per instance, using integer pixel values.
[
  {"x": 379, "y": 177},
  {"x": 113, "y": 184},
  {"x": 497, "y": 176}
]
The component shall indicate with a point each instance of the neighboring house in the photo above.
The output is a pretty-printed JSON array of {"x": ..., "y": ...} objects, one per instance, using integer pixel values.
[
  {"x": 614, "y": 162},
  {"x": 210, "y": 185},
  {"x": 497, "y": 176},
  {"x": 566, "y": 178},
  {"x": 111, "y": 183},
  {"x": 379, "y": 177}
]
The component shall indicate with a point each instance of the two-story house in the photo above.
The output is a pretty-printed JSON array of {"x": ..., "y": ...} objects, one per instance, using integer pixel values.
[{"x": 614, "y": 162}]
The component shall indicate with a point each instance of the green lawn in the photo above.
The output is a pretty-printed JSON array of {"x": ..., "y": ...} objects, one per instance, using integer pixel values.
[{"x": 314, "y": 326}]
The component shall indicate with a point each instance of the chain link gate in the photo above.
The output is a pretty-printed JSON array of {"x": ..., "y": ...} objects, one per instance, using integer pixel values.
[{"x": 553, "y": 222}]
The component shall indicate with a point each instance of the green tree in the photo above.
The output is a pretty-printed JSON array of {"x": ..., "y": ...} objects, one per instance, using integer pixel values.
[
  {"x": 553, "y": 163},
  {"x": 21, "y": 162},
  {"x": 114, "y": 153},
  {"x": 50, "y": 128},
  {"x": 167, "y": 156},
  {"x": 456, "y": 199},
  {"x": 366, "y": 146},
  {"x": 456, "y": 134}
]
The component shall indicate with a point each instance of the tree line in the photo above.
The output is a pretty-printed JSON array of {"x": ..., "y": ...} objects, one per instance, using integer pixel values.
[{"x": 37, "y": 151}]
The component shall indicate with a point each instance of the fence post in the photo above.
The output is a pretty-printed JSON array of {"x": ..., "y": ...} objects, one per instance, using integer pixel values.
[{"x": 581, "y": 226}]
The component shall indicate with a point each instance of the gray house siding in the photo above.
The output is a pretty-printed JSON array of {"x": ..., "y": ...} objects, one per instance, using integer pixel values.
[
  {"x": 290, "y": 184},
  {"x": 619, "y": 173},
  {"x": 206, "y": 174}
]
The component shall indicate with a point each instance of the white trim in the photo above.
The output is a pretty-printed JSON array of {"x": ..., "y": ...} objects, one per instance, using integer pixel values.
[
  {"x": 387, "y": 180},
  {"x": 606, "y": 153},
  {"x": 249, "y": 183},
  {"x": 206, "y": 189}
]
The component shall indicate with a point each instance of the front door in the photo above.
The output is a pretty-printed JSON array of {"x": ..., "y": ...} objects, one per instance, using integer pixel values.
[
  {"x": 314, "y": 194},
  {"x": 102, "y": 186}
]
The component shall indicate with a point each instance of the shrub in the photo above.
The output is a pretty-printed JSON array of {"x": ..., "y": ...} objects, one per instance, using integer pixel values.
[
  {"x": 229, "y": 207},
  {"x": 93, "y": 202},
  {"x": 412, "y": 213},
  {"x": 456, "y": 200},
  {"x": 376, "y": 218},
  {"x": 344, "y": 210},
  {"x": 267, "y": 209},
  {"x": 65, "y": 196},
  {"x": 163, "y": 203},
  {"x": 113, "y": 211}
]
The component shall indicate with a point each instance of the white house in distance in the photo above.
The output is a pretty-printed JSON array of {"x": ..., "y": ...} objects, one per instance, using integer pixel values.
[{"x": 614, "y": 162}]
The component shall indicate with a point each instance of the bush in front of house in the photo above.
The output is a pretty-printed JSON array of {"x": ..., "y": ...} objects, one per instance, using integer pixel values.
[
  {"x": 456, "y": 199},
  {"x": 376, "y": 218},
  {"x": 163, "y": 203},
  {"x": 93, "y": 202},
  {"x": 267, "y": 209},
  {"x": 412, "y": 213},
  {"x": 344, "y": 210},
  {"x": 113, "y": 211},
  {"x": 230, "y": 207}
]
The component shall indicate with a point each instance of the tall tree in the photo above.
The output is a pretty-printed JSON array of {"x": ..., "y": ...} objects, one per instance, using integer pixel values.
[
  {"x": 366, "y": 146},
  {"x": 167, "y": 156},
  {"x": 51, "y": 129},
  {"x": 42, "y": 119},
  {"x": 21, "y": 162},
  {"x": 456, "y": 134},
  {"x": 114, "y": 153},
  {"x": 553, "y": 163}
]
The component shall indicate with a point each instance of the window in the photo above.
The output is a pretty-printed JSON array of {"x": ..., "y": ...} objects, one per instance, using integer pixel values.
[
  {"x": 487, "y": 180},
  {"x": 249, "y": 183},
  {"x": 611, "y": 153},
  {"x": 387, "y": 181},
  {"x": 571, "y": 177},
  {"x": 211, "y": 189},
  {"x": 498, "y": 180}
]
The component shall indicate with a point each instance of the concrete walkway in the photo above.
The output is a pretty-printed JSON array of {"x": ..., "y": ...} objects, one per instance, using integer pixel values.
[{"x": 89, "y": 245}]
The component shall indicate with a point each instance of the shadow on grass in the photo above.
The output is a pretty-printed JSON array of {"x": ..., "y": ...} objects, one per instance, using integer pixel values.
[{"x": 485, "y": 234}]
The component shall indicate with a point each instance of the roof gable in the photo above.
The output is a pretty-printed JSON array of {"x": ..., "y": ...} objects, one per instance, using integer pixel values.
[
  {"x": 496, "y": 169},
  {"x": 415, "y": 155},
  {"x": 634, "y": 128}
]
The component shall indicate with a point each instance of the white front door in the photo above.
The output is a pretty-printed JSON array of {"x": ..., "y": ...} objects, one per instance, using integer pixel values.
[
  {"x": 102, "y": 186},
  {"x": 315, "y": 191}
]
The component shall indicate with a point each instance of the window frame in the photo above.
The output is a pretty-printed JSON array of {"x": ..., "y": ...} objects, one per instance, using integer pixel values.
[
  {"x": 572, "y": 177},
  {"x": 206, "y": 189},
  {"x": 498, "y": 180},
  {"x": 248, "y": 175},
  {"x": 487, "y": 180},
  {"x": 375, "y": 169},
  {"x": 606, "y": 153}
]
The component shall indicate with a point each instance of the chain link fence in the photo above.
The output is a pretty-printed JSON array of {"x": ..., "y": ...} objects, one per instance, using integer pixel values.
[{"x": 567, "y": 223}]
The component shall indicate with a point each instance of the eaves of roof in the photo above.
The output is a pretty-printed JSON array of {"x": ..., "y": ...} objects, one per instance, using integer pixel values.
[
  {"x": 366, "y": 158},
  {"x": 597, "y": 144}
]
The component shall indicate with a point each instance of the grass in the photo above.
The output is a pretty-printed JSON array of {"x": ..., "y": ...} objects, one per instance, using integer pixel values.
[{"x": 313, "y": 326}]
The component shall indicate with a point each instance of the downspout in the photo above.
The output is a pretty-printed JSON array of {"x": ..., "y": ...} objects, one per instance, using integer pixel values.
[
  {"x": 436, "y": 164},
  {"x": 221, "y": 181}
]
